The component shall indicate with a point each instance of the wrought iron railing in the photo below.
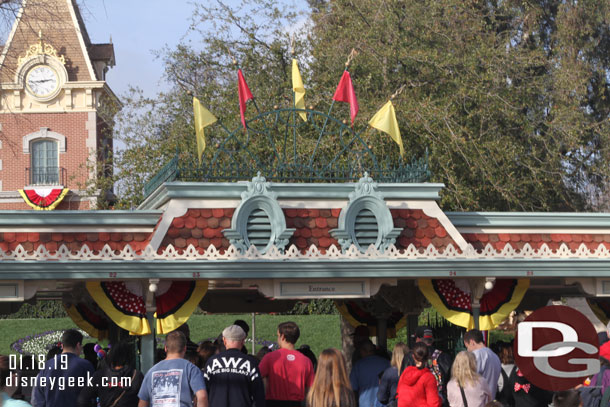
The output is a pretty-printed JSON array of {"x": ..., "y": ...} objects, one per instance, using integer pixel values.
[
  {"x": 167, "y": 173},
  {"x": 45, "y": 176},
  {"x": 286, "y": 149}
]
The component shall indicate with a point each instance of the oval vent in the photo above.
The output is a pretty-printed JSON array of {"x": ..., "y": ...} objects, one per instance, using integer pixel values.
[
  {"x": 258, "y": 230},
  {"x": 366, "y": 229}
]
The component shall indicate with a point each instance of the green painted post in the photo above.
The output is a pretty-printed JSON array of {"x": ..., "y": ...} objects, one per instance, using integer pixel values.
[
  {"x": 412, "y": 323},
  {"x": 476, "y": 308},
  {"x": 147, "y": 349},
  {"x": 382, "y": 333}
]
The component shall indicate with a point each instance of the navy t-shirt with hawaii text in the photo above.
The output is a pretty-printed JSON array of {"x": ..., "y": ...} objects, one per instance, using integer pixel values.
[{"x": 233, "y": 379}]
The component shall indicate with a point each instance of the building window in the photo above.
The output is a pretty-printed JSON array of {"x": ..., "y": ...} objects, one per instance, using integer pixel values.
[{"x": 44, "y": 166}]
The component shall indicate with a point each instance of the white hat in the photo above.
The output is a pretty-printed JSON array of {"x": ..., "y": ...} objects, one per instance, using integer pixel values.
[{"x": 234, "y": 333}]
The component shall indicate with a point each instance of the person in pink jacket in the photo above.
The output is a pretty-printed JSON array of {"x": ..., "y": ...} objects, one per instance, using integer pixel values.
[
  {"x": 464, "y": 375},
  {"x": 417, "y": 385}
]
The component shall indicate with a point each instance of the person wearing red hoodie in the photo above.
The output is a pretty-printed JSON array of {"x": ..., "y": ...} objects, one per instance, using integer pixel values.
[{"x": 417, "y": 385}]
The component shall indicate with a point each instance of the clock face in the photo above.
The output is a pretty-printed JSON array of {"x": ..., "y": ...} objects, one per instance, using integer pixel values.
[{"x": 42, "y": 80}]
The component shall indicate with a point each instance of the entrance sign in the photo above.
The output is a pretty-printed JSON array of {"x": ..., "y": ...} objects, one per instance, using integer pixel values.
[
  {"x": 556, "y": 348},
  {"x": 323, "y": 289},
  {"x": 294, "y": 289}
]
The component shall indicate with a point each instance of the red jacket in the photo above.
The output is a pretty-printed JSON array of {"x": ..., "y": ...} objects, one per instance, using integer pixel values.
[{"x": 417, "y": 388}]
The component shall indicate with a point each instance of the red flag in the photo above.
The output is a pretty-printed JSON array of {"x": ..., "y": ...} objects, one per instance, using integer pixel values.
[
  {"x": 345, "y": 93},
  {"x": 244, "y": 96}
]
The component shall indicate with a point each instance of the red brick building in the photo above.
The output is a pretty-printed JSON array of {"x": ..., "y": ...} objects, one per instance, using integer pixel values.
[{"x": 52, "y": 92}]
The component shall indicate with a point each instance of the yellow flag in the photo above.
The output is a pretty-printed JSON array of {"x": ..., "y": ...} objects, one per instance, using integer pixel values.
[
  {"x": 203, "y": 118},
  {"x": 299, "y": 89},
  {"x": 385, "y": 121}
]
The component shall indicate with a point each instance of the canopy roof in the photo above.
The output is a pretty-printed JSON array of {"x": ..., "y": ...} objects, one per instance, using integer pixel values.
[{"x": 181, "y": 232}]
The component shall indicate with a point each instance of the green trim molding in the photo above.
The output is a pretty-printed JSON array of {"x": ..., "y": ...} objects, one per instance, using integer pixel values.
[
  {"x": 219, "y": 269},
  {"x": 80, "y": 218},
  {"x": 530, "y": 219},
  {"x": 233, "y": 190}
]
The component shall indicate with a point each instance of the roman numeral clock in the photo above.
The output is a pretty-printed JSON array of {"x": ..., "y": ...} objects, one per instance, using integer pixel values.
[
  {"x": 41, "y": 81},
  {"x": 42, "y": 72}
]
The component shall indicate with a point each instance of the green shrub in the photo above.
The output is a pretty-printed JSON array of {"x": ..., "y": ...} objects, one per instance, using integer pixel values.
[
  {"x": 314, "y": 307},
  {"x": 43, "y": 309}
]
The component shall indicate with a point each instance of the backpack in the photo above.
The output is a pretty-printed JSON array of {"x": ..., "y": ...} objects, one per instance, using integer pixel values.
[
  {"x": 436, "y": 372},
  {"x": 592, "y": 396},
  {"x": 503, "y": 396}
]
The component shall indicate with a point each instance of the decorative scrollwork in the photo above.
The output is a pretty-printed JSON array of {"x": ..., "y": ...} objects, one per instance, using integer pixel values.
[
  {"x": 258, "y": 186},
  {"x": 366, "y": 197},
  {"x": 258, "y": 197},
  {"x": 41, "y": 48}
]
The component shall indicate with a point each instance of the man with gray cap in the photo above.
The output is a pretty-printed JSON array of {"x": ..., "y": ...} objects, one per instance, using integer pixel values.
[{"x": 232, "y": 378}]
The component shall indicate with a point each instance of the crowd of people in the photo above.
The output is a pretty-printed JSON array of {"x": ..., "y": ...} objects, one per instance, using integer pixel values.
[{"x": 221, "y": 373}]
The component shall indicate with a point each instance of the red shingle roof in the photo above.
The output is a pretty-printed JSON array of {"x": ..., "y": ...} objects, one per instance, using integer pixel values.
[{"x": 536, "y": 240}]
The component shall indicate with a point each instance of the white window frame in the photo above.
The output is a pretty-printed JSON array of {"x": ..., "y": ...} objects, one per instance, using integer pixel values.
[{"x": 44, "y": 134}]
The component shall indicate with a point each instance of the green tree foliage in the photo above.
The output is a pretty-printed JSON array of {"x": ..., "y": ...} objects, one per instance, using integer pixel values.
[{"x": 510, "y": 98}]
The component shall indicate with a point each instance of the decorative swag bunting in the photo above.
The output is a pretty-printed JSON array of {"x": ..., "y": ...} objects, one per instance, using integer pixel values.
[
  {"x": 90, "y": 319},
  {"x": 43, "y": 199},
  {"x": 124, "y": 303},
  {"x": 454, "y": 301}
]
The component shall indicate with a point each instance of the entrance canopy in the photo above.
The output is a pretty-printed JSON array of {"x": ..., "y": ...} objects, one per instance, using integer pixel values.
[
  {"x": 255, "y": 231},
  {"x": 259, "y": 246}
]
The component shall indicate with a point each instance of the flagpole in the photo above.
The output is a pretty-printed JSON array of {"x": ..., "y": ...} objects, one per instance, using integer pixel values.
[
  {"x": 190, "y": 93},
  {"x": 294, "y": 124},
  {"x": 253, "y": 101},
  {"x": 294, "y": 106},
  {"x": 349, "y": 60},
  {"x": 396, "y": 93}
]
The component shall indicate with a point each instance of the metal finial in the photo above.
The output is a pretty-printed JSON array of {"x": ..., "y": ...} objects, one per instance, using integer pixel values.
[
  {"x": 350, "y": 57},
  {"x": 398, "y": 91}
]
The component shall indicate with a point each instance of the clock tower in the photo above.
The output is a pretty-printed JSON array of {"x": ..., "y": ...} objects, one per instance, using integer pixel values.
[{"x": 55, "y": 110}]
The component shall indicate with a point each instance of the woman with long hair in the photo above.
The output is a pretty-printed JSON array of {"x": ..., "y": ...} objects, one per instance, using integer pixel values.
[
  {"x": 466, "y": 386},
  {"x": 116, "y": 383},
  {"x": 417, "y": 385},
  {"x": 389, "y": 380},
  {"x": 505, "y": 353},
  {"x": 331, "y": 387}
]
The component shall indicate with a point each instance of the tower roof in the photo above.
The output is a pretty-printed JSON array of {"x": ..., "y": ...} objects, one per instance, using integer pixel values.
[{"x": 58, "y": 23}]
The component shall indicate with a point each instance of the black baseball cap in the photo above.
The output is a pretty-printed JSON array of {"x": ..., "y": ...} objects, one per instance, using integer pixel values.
[{"x": 424, "y": 332}]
